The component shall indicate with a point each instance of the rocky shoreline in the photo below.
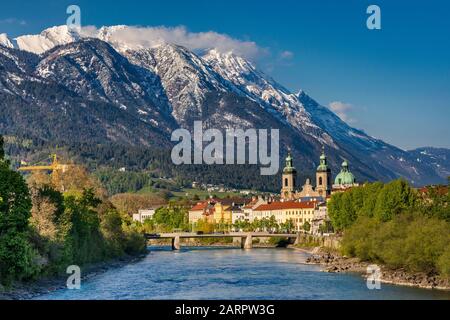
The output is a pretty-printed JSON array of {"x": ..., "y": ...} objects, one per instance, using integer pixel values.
[
  {"x": 336, "y": 264},
  {"x": 31, "y": 290}
]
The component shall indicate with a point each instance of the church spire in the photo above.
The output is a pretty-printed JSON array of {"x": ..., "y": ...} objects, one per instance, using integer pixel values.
[
  {"x": 323, "y": 166},
  {"x": 288, "y": 179},
  {"x": 323, "y": 176}
]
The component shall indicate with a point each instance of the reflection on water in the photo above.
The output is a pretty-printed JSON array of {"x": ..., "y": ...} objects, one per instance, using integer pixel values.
[{"x": 224, "y": 273}]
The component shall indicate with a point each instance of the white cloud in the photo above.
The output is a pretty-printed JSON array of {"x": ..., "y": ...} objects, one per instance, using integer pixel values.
[
  {"x": 342, "y": 110},
  {"x": 286, "y": 55},
  {"x": 136, "y": 37},
  {"x": 13, "y": 21}
]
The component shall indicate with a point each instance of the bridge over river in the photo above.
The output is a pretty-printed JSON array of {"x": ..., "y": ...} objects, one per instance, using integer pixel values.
[{"x": 245, "y": 238}]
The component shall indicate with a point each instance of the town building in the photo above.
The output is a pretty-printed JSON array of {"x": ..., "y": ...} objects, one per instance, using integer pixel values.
[
  {"x": 298, "y": 212},
  {"x": 237, "y": 214},
  {"x": 143, "y": 215},
  {"x": 249, "y": 207},
  {"x": 320, "y": 218},
  {"x": 217, "y": 211},
  {"x": 308, "y": 205},
  {"x": 198, "y": 211},
  {"x": 222, "y": 213}
]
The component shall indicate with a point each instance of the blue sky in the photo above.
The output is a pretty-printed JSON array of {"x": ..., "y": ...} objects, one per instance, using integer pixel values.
[{"x": 393, "y": 83}]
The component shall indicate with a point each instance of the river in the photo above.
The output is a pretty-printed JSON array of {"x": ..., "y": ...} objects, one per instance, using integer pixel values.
[{"x": 227, "y": 273}]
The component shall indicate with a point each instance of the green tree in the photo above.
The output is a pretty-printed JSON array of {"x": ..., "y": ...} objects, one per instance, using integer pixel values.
[
  {"x": 394, "y": 198},
  {"x": 411, "y": 241},
  {"x": 341, "y": 211},
  {"x": 172, "y": 216},
  {"x": 307, "y": 226},
  {"x": 288, "y": 226},
  {"x": 17, "y": 256},
  {"x": 2, "y": 151},
  {"x": 272, "y": 224}
]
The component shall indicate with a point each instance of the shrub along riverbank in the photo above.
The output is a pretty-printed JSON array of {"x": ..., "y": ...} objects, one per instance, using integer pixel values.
[
  {"x": 53, "y": 223},
  {"x": 396, "y": 226}
]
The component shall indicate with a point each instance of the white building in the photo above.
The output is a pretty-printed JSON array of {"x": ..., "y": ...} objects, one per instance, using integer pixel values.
[
  {"x": 248, "y": 209},
  {"x": 298, "y": 212},
  {"x": 143, "y": 215},
  {"x": 237, "y": 214},
  {"x": 320, "y": 217}
]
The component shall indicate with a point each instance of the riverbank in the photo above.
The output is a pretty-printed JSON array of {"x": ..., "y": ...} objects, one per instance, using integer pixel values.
[
  {"x": 30, "y": 290},
  {"x": 336, "y": 263}
]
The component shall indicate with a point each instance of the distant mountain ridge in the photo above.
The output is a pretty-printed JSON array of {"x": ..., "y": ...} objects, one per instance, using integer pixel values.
[{"x": 109, "y": 91}]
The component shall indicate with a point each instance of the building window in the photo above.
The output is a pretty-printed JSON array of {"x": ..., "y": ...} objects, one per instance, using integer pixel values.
[
  {"x": 320, "y": 181},
  {"x": 286, "y": 182}
]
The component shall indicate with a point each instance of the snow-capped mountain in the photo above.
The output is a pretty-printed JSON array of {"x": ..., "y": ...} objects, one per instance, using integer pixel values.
[
  {"x": 94, "y": 70},
  {"x": 161, "y": 85},
  {"x": 5, "y": 41},
  {"x": 184, "y": 76},
  {"x": 264, "y": 90},
  {"x": 46, "y": 40}
]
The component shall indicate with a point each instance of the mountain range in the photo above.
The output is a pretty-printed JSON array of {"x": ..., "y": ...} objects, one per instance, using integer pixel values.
[{"x": 63, "y": 86}]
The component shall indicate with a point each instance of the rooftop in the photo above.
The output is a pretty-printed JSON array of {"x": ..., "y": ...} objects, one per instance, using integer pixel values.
[{"x": 287, "y": 205}]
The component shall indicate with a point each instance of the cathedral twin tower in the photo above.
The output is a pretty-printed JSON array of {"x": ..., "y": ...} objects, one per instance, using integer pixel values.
[{"x": 323, "y": 181}]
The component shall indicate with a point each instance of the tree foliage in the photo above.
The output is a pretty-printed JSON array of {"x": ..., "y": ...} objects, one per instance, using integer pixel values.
[
  {"x": 411, "y": 241},
  {"x": 395, "y": 225},
  {"x": 63, "y": 221},
  {"x": 382, "y": 201},
  {"x": 17, "y": 255}
]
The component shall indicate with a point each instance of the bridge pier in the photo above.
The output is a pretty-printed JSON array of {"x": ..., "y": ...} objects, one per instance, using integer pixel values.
[
  {"x": 298, "y": 239},
  {"x": 248, "y": 242},
  {"x": 176, "y": 243}
]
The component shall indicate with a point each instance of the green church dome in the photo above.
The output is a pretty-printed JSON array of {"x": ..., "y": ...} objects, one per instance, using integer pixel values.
[{"x": 345, "y": 177}]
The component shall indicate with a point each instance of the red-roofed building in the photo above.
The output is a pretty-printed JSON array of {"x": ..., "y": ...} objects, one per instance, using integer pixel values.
[
  {"x": 297, "y": 212},
  {"x": 438, "y": 190},
  {"x": 203, "y": 210},
  {"x": 248, "y": 209}
]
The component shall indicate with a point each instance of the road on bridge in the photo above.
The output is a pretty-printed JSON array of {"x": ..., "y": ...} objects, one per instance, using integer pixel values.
[{"x": 245, "y": 244}]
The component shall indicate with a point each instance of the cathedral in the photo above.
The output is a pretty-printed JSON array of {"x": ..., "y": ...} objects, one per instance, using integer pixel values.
[{"x": 323, "y": 189}]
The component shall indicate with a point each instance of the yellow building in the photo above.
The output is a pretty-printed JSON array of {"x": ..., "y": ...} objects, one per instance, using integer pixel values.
[
  {"x": 298, "y": 212},
  {"x": 222, "y": 213}
]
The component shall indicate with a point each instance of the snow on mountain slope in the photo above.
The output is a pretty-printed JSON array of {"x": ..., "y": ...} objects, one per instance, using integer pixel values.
[
  {"x": 5, "y": 41},
  {"x": 185, "y": 78},
  {"x": 16, "y": 67},
  {"x": 93, "y": 69},
  {"x": 264, "y": 90},
  {"x": 47, "y": 39},
  {"x": 438, "y": 159}
]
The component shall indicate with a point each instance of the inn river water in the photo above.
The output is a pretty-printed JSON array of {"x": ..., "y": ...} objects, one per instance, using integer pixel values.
[{"x": 227, "y": 273}]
